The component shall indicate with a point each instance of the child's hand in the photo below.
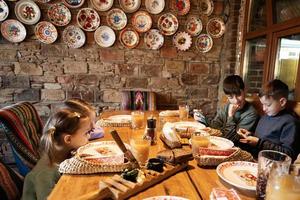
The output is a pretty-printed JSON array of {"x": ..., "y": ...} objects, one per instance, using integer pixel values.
[
  {"x": 232, "y": 109},
  {"x": 251, "y": 140},
  {"x": 244, "y": 133}
]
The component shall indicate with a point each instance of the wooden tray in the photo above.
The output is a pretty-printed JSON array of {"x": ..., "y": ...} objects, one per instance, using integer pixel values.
[{"x": 118, "y": 188}]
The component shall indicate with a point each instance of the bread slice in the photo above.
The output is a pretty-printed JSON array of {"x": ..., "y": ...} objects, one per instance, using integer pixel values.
[{"x": 175, "y": 156}]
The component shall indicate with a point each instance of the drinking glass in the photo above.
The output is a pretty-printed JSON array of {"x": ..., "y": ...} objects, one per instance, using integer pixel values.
[
  {"x": 140, "y": 148},
  {"x": 267, "y": 160},
  {"x": 183, "y": 112},
  {"x": 199, "y": 140},
  {"x": 137, "y": 119}
]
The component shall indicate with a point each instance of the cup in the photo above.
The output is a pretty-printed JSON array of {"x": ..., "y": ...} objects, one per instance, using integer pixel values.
[
  {"x": 267, "y": 160},
  {"x": 199, "y": 140},
  {"x": 140, "y": 148},
  {"x": 183, "y": 112},
  {"x": 137, "y": 119}
]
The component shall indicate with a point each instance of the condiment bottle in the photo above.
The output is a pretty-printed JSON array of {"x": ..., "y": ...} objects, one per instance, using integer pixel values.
[{"x": 151, "y": 129}]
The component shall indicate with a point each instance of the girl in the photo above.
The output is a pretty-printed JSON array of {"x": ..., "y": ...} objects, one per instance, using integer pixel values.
[{"x": 64, "y": 132}]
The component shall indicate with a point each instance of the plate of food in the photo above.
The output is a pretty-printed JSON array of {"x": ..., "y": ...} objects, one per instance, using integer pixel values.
[
  {"x": 13, "y": 30},
  {"x": 155, "y": 6},
  {"x": 27, "y": 12},
  {"x": 120, "y": 118},
  {"x": 217, "y": 143},
  {"x": 169, "y": 113},
  {"x": 185, "y": 125},
  {"x": 154, "y": 39},
  {"x": 4, "y": 10},
  {"x": 59, "y": 14},
  {"x": 240, "y": 174},
  {"x": 45, "y": 32}
]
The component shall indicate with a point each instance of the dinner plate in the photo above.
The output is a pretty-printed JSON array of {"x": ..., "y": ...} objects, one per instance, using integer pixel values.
[
  {"x": 13, "y": 30},
  {"x": 194, "y": 25},
  {"x": 167, "y": 24},
  {"x": 4, "y": 10},
  {"x": 141, "y": 21},
  {"x": 204, "y": 43},
  {"x": 218, "y": 143},
  {"x": 154, "y": 39},
  {"x": 59, "y": 14},
  {"x": 116, "y": 19},
  {"x": 88, "y": 19},
  {"x": 206, "y": 7},
  {"x": 155, "y": 6},
  {"x": 45, "y": 32},
  {"x": 27, "y": 12},
  {"x": 105, "y": 36},
  {"x": 120, "y": 118},
  {"x": 102, "y": 5},
  {"x": 169, "y": 113},
  {"x": 130, "y": 6},
  {"x": 188, "y": 124},
  {"x": 74, "y": 37},
  {"x": 182, "y": 7},
  {"x": 129, "y": 38},
  {"x": 240, "y": 174},
  {"x": 182, "y": 41},
  {"x": 215, "y": 27},
  {"x": 74, "y": 3},
  {"x": 165, "y": 198}
]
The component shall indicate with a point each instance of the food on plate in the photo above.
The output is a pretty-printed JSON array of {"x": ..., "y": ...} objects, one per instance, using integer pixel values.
[
  {"x": 224, "y": 194},
  {"x": 246, "y": 176},
  {"x": 175, "y": 156}
]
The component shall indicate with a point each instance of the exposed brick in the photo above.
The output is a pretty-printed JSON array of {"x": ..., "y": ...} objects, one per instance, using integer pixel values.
[
  {"x": 111, "y": 96},
  {"x": 198, "y": 68},
  {"x": 73, "y": 67},
  {"x": 52, "y": 95},
  {"x": 137, "y": 83},
  {"x": 28, "y": 69},
  {"x": 198, "y": 93},
  {"x": 168, "y": 52},
  {"x": 27, "y": 95},
  {"x": 128, "y": 69},
  {"x": 65, "y": 79},
  {"x": 176, "y": 67},
  {"x": 91, "y": 80},
  {"x": 16, "y": 82},
  {"x": 53, "y": 86},
  {"x": 6, "y": 95},
  {"x": 84, "y": 93},
  {"x": 54, "y": 50},
  {"x": 189, "y": 79},
  {"x": 8, "y": 54},
  {"x": 108, "y": 55},
  {"x": 151, "y": 70}
]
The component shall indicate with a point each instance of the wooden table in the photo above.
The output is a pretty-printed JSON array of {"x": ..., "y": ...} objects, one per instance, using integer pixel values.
[{"x": 192, "y": 183}]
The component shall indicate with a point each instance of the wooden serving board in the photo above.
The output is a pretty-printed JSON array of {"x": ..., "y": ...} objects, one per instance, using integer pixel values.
[{"x": 118, "y": 188}]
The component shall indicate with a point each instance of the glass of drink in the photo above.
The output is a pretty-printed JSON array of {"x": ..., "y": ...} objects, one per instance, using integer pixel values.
[
  {"x": 140, "y": 148},
  {"x": 137, "y": 119},
  {"x": 267, "y": 160},
  {"x": 183, "y": 112},
  {"x": 199, "y": 140}
]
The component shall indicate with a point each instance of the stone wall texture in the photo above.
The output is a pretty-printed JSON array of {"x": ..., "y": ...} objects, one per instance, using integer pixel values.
[{"x": 49, "y": 74}]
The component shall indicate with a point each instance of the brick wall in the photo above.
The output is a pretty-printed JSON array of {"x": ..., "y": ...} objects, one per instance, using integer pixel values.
[{"x": 49, "y": 74}]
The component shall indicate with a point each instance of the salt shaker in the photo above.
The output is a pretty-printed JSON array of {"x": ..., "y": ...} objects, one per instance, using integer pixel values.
[{"x": 151, "y": 129}]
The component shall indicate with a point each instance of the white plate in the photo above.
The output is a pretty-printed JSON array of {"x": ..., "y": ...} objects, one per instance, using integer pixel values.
[
  {"x": 155, "y": 6},
  {"x": 45, "y": 32},
  {"x": 13, "y": 30},
  {"x": 27, "y": 12},
  {"x": 165, "y": 198},
  {"x": 141, "y": 21},
  {"x": 167, "y": 24},
  {"x": 206, "y": 7},
  {"x": 130, "y": 6},
  {"x": 129, "y": 38},
  {"x": 74, "y": 3},
  {"x": 120, "y": 118},
  {"x": 182, "y": 41},
  {"x": 116, "y": 19},
  {"x": 74, "y": 37},
  {"x": 102, "y": 5},
  {"x": 154, "y": 39},
  {"x": 240, "y": 174},
  {"x": 169, "y": 113},
  {"x": 105, "y": 36},
  {"x": 204, "y": 43},
  {"x": 221, "y": 143},
  {"x": 188, "y": 124},
  {"x": 4, "y": 10},
  {"x": 59, "y": 14},
  {"x": 88, "y": 19},
  {"x": 194, "y": 25}
]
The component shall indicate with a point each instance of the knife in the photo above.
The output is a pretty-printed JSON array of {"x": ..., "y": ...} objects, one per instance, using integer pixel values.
[{"x": 123, "y": 148}]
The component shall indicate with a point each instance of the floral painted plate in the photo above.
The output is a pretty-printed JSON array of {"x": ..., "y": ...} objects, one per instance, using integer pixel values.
[
  {"x": 88, "y": 19},
  {"x": 130, "y": 6},
  {"x": 204, "y": 43},
  {"x": 129, "y": 38},
  {"x": 43, "y": 1},
  {"x": 74, "y": 37},
  {"x": 116, "y": 19},
  {"x": 182, "y": 41},
  {"x": 141, "y": 21},
  {"x": 155, "y": 6},
  {"x": 182, "y": 7},
  {"x": 206, "y": 7},
  {"x": 13, "y": 30},
  {"x": 4, "y": 10},
  {"x": 194, "y": 25},
  {"x": 74, "y": 3},
  {"x": 45, "y": 32},
  {"x": 105, "y": 36},
  {"x": 154, "y": 39},
  {"x": 102, "y": 5},
  {"x": 167, "y": 24},
  {"x": 215, "y": 27},
  {"x": 59, "y": 14},
  {"x": 27, "y": 12}
]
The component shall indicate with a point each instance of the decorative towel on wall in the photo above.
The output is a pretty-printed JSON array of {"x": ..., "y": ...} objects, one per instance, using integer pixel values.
[{"x": 138, "y": 100}]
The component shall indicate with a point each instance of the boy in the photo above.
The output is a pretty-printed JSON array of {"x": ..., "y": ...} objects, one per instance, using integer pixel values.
[
  {"x": 238, "y": 113},
  {"x": 277, "y": 129}
]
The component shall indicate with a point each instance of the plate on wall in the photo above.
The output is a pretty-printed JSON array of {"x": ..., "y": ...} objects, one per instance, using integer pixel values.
[
  {"x": 215, "y": 27},
  {"x": 27, "y": 12},
  {"x": 129, "y": 38},
  {"x": 4, "y": 10},
  {"x": 167, "y": 24},
  {"x": 182, "y": 7},
  {"x": 45, "y": 32},
  {"x": 155, "y": 6},
  {"x": 13, "y": 30},
  {"x": 59, "y": 14},
  {"x": 116, "y": 19},
  {"x": 204, "y": 43},
  {"x": 206, "y": 7},
  {"x": 105, "y": 36},
  {"x": 102, "y": 5},
  {"x": 154, "y": 39},
  {"x": 74, "y": 3},
  {"x": 182, "y": 41},
  {"x": 88, "y": 19},
  {"x": 194, "y": 25},
  {"x": 74, "y": 37},
  {"x": 141, "y": 21},
  {"x": 130, "y": 6}
]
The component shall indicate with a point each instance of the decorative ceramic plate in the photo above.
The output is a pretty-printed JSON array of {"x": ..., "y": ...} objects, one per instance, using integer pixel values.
[
  {"x": 116, "y": 19},
  {"x": 43, "y": 1},
  {"x": 102, "y": 5},
  {"x": 27, "y": 12},
  {"x": 13, "y": 30},
  {"x": 45, "y": 32},
  {"x": 88, "y": 19},
  {"x": 129, "y": 38},
  {"x": 4, "y": 10},
  {"x": 215, "y": 27},
  {"x": 74, "y": 37},
  {"x": 154, "y": 39},
  {"x": 141, "y": 21},
  {"x": 130, "y": 6},
  {"x": 182, "y": 41},
  {"x": 167, "y": 24},
  {"x": 165, "y": 198},
  {"x": 240, "y": 174},
  {"x": 182, "y": 7},
  {"x": 155, "y": 6},
  {"x": 59, "y": 14},
  {"x": 206, "y": 7},
  {"x": 204, "y": 43},
  {"x": 74, "y": 3},
  {"x": 120, "y": 118},
  {"x": 105, "y": 36},
  {"x": 194, "y": 25}
]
